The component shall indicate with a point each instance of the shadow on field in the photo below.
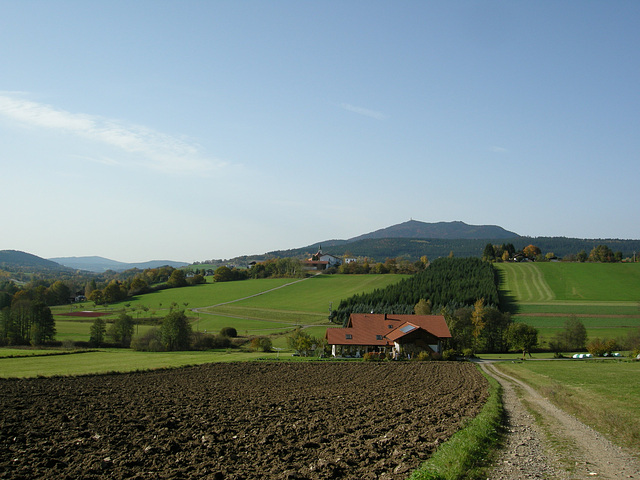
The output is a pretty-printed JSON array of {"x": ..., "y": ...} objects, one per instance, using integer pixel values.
[{"x": 508, "y": 302}]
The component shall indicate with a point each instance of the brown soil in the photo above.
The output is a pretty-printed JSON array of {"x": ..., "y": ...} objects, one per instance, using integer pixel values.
[{"x": 237, "y": 421}]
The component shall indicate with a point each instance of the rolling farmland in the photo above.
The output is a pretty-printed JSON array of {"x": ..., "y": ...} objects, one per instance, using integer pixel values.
[{"x": 603, "y": 296}]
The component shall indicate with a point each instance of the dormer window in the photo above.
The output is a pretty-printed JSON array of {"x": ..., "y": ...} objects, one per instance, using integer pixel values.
[
  {"x": 348, "y": 336},
  {"x": 390, "y": 326},
  {"x": 378, "y": 337}
]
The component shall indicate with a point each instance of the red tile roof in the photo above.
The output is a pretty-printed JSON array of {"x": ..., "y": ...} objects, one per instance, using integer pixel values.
[{"x": 384, "y": 329}]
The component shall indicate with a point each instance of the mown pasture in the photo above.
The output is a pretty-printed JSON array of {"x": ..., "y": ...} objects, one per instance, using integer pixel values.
[
  {"x": 253, "y": 307},
  {"x": 605, "y": 297},
  {"x": 602, "y": 393}
]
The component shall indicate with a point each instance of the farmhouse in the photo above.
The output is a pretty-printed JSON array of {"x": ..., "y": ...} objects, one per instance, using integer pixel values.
[
  {"x": 389, "y": 334},
  {"x": 322, "y": 261}
]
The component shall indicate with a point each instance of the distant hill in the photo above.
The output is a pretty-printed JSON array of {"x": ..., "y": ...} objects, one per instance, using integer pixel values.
[
  {"x": 12, "y": 259},
  {"x": 379, "y": 249},
  {"x": 101, "y": 264},
  {"x": 452, "y": 230},
  {"x": 413, "y": 239}
]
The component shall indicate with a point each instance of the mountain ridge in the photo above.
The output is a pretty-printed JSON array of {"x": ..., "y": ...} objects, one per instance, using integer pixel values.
[
  {"x": 408, "y": 239},
  {"x": 17, "y": 258},
  {"x": 442, "y": 230},
  {"x": 99, "y": 264}
]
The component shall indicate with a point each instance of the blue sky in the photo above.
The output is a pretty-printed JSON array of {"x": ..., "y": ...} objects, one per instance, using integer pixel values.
[{"x": 192, "y": 130}]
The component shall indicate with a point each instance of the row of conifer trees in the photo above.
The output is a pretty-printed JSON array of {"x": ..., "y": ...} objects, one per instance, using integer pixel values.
[{"x": 448, "y": 282}]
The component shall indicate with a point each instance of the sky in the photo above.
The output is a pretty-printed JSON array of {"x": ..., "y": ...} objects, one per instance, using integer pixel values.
[{"x": 192, "y": 130}]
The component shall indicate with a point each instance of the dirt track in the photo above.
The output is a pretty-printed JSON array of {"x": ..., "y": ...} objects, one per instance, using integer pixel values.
[
  {"x": 528, "y": 454},
  {"x": 236, "y": 421}
]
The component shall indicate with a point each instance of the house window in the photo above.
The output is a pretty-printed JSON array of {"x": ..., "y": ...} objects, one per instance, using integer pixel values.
[
  {"x": 408, "y": 328},
  {"x": 378, "y": 337},
  {"x": 390, "y": 326},
  {"x": 348, "y": 336}
]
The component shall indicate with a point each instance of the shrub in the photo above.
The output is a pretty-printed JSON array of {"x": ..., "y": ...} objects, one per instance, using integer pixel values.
[
  {"x": 229, "y": 332},
  {"x": 207, "y": 341},
  {"x": 449, "y": 354},
  {"x": 468, "y": 353},
  {"x": 423, "y": 357},
  {"x": 239, "y": 342},
  {"x": 149, "y": 342},
  {"x": 261, "y": 344},
  {"x": 373, "y": 356},
  {"x": 600, "y": 348}
]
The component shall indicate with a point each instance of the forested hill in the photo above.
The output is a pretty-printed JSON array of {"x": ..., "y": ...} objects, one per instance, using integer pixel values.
[
  {"x": 10, "y": 259},
  {"x": 101, "y": 264},
  {"x": 449, "y": 230},
  {"x": 414, "y": 248}
]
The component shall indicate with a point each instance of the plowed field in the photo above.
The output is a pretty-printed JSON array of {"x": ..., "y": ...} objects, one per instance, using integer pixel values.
[{"x": 236, "y": 421}]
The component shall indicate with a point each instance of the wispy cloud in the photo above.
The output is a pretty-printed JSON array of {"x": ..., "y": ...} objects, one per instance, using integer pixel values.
[
  {"x": 363, "y": 111},
  {"x": 499, "y": 149},
  {"x": 154, "y": 149}
]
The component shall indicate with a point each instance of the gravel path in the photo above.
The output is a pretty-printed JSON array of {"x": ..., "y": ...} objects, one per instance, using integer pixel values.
[{"x": 578, "y": 452}]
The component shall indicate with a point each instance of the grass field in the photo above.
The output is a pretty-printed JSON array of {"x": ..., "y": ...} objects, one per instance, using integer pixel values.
[
  {"x": 113, "y": 360},
  {"x": 573, "y": 282},
  {"x": 270, "y": 306},
  {"x": 602, "y": 393},
  {"x": 605, "y": 297}
]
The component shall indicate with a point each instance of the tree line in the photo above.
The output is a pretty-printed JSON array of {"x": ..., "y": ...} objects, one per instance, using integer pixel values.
[
  {"x": 507, "y": 252},
  {"x": 448, "y": 282},
  {"x": 26, "y": 322}
]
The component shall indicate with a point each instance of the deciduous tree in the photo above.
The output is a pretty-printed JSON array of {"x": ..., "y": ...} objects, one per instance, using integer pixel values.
[
  {"x": 302, "y": 342},
  {"x": 97, "y": 332},
  {"x": 601, "y": 253},
  {"x": 121, "y": 331},
  {"x": 522, "y": 337},
  {"x": 43, "y": 326},
  {"x": 423, "y": 307},
  {"x": 58, "y": 293},
  {"x": 177, "y": 279},
  {"x": 261, "y": 344},
  {"x": 531, "y": 251},
  {"x": 176, "y": 331},
  {"x": 574, "y": 334},
  {"x": 477, "y": 319}
]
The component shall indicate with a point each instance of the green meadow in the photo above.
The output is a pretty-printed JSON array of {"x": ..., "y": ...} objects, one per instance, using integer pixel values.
[
  {"x": 601, "y": 393},
  {"x": 111, "y": 360},
  {"x": 252, "y": 307},
  {"x": 604, "y": 296}
]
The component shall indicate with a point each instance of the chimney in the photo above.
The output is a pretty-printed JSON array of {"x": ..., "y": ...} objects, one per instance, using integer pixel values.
[{"x": 385, "y": 316}]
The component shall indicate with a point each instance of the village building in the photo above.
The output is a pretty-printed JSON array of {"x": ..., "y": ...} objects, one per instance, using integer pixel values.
[
  {"x": 393, "y": 335},
  {"x": 322, "y": 261}
]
